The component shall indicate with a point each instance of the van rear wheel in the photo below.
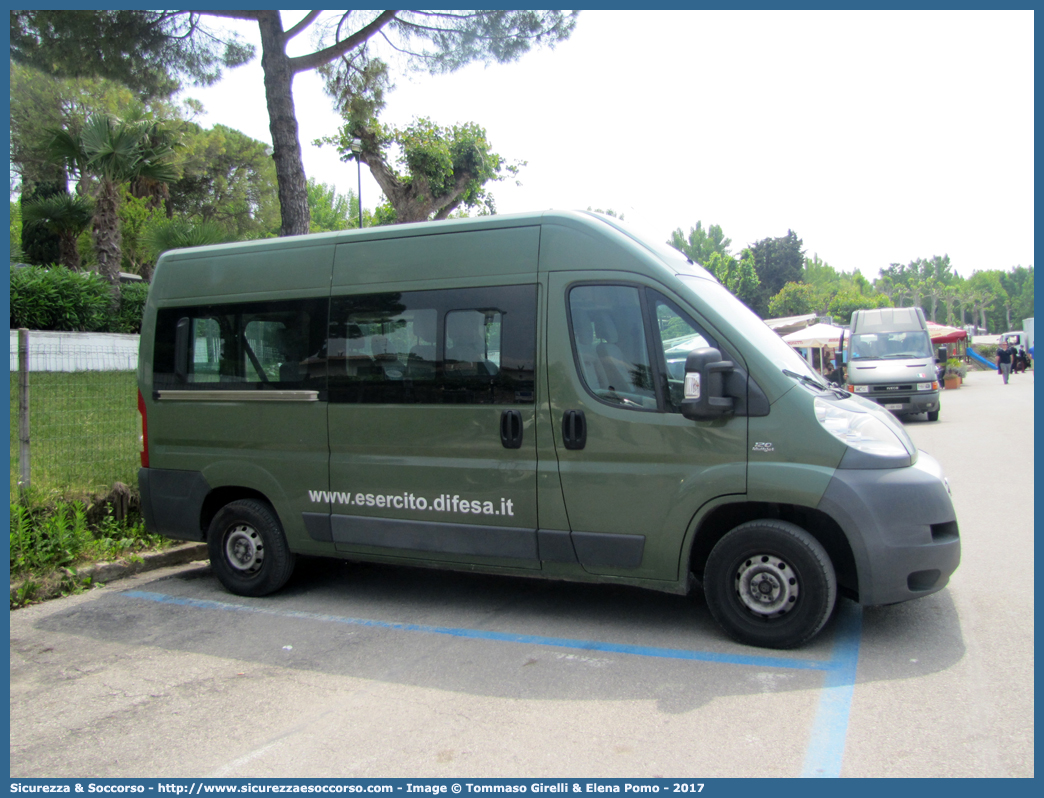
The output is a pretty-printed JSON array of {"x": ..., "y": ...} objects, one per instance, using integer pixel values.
[
  {"x": 770, "y": 583},
  {"x": 248, "y": 550}
]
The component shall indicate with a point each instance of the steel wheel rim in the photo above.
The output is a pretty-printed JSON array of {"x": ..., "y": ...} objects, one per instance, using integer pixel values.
[
  {"x": 244, "y": 549},
  {"x": 766, "y": 585}
]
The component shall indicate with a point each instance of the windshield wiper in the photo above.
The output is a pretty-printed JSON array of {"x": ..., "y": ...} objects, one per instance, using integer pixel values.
[{"x": 833, "y": 387}]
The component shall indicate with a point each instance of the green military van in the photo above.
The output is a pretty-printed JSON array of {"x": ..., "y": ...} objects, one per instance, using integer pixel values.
[{"x": 544, "y": 395}]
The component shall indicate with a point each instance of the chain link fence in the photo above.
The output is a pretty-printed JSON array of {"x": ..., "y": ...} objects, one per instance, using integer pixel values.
[{"x": 74, "y": 417}]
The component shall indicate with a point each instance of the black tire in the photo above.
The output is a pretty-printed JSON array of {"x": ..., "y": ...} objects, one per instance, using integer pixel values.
[
  {"x": 933, "y": 415},
  {"x": 248, "y": 550},
  {"x": 770, "y": 584}
]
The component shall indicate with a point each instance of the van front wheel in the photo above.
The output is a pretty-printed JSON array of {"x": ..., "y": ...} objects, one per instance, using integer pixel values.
[
  {"x": 248, "y": 550},
  {"x": 770, "y": 583}
]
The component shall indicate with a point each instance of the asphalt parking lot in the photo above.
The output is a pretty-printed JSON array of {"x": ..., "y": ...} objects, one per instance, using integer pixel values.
[{"x": 372, "y": 670}]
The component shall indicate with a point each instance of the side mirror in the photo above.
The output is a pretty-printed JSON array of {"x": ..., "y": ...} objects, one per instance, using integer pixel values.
[
  {"x": 705, "y": 385},
  {"x": 941, "y": 355}
]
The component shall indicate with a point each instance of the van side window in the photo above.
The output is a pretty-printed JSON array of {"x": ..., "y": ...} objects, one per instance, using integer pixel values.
[
  {"x": 610, "y": 344},
  {"x": 451, "y": 346},
  {"x": 473, "y": 342},
  {"x": 205, "y": 351},
  {"x": 265, "y": 345},
  {"x": 679, "y": 335}
]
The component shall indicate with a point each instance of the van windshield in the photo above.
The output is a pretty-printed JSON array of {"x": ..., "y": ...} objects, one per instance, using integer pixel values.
[
  {"x": 763, "y": 337},
  {"x": 890, "y": 345}
]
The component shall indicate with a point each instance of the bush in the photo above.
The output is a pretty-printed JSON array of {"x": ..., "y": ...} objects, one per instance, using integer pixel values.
[
  {"x": 988, "y": 351},
  {"x": 59, "y": 299},
  {"x": 132, "y": 308},
  {"x": 56, "y": 298},
  {"x": 955, "y": 368},
  {"x": 51, "y": 532}
]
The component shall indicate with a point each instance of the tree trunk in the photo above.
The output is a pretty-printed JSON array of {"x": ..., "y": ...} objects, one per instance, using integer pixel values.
[
  {"x": 414, "y": 202},
  {"x": 106, "y": 232},
  {"x": 68, "y": 251},
  {"x": 282, "y": 122}
]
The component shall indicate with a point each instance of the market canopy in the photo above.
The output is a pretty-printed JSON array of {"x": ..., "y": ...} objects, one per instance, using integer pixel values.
[
  {"x": 789, "y": 324},
  {"x": 818, "y": 335},
  {"x": 941, "y": 334}
]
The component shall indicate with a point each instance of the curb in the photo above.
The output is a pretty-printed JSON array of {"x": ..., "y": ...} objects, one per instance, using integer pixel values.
[{"x": 121, "y": 569}]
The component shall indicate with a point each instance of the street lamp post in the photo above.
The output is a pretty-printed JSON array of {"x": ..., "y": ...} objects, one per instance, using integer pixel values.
[{"x": 357, "y": 152}]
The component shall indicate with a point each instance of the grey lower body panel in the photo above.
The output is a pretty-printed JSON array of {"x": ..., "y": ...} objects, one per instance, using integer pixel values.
[
  {"x": 171, "y": 502},
  {"x": 596, "y": 549},
  {"x": 902, "y": 528},
  {"x": 533, "y": 545},
  {"x": 425, "y": 536}
]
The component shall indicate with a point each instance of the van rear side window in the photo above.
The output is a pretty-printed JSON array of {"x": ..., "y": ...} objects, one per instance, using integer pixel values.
[{"x": 272, "y": 344}]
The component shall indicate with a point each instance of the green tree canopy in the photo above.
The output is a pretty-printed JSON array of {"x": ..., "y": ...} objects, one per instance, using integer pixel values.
[
  {"x": 118, "y": 153},
  {"x": 988, "y": 300},
  {"x": 148, "y": 49},
  {"x": 849, "y": 299},
  {"x": 435, "y": 169},
  {"x": 40, "y": 102},
  {"x": 39, "y": 245},
  {"x": 794, "y": 299},
  {"x": 64, "y": 215},
  {"x": 150, "y": 52},
  {"x": 226, "y": 178},
  {"x": 701, "y": 244},
  {"x": 777, "y": 261},
  {"x": 331, "y": 211},
  {"x": 739, "y": 276},
  {"x": 1018, "y": 282}
]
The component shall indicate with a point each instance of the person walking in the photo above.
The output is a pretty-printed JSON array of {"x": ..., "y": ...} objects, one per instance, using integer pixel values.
[{"x": 1004, "y": 360}]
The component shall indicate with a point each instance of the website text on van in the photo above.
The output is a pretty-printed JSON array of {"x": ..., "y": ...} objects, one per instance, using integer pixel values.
[{"x": 544, "y": 394}]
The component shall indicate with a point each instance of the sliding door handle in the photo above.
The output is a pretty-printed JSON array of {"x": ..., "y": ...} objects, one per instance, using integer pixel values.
[
  {"x": 511, "y": 429},
  {"x": 574, "y": 429}
]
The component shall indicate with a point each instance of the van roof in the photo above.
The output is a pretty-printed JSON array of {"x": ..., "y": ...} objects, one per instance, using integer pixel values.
[
  {"x": 887, "y": 320},
  {"x": 673, "y": 258}
]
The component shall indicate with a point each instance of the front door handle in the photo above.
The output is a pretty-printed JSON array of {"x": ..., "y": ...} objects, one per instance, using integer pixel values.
[
  {"x": 511, "y": 429},
  {"x": 574, "y": 429}
]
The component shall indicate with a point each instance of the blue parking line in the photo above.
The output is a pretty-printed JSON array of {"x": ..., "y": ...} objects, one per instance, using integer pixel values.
[
  {"x": 826, "y": 747},
  {"x": 827, "y": 740}
]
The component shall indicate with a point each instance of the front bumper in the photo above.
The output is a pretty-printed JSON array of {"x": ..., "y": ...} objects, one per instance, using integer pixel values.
[
  {"x": 906, "y": 404},
  {"x": 902, "y": 528}
]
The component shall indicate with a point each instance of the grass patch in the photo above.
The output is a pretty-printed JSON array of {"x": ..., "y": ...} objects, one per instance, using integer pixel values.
[
  {"x": 52, "y": 536},
  {"x": 84, "y": 430}
]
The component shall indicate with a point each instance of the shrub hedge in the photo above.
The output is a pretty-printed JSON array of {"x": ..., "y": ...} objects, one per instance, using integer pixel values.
[{"x": 56, "y": 298}]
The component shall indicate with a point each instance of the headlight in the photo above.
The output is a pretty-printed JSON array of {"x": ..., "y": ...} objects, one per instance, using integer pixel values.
[
  {"x": 927, "y": 386},
  {"x": 859, "y": 389},
  {"x": 862, "y": 430}
]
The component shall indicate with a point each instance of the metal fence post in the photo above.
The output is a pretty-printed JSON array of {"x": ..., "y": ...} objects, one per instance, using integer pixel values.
[{"x": 23, "y": 409}]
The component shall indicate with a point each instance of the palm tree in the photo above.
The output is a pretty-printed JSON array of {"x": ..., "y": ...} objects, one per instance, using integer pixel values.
[
  {"x": 179, "y": 233},
  {"x": 116, "y": 152},
  {"x": 64, "y": 215}
]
